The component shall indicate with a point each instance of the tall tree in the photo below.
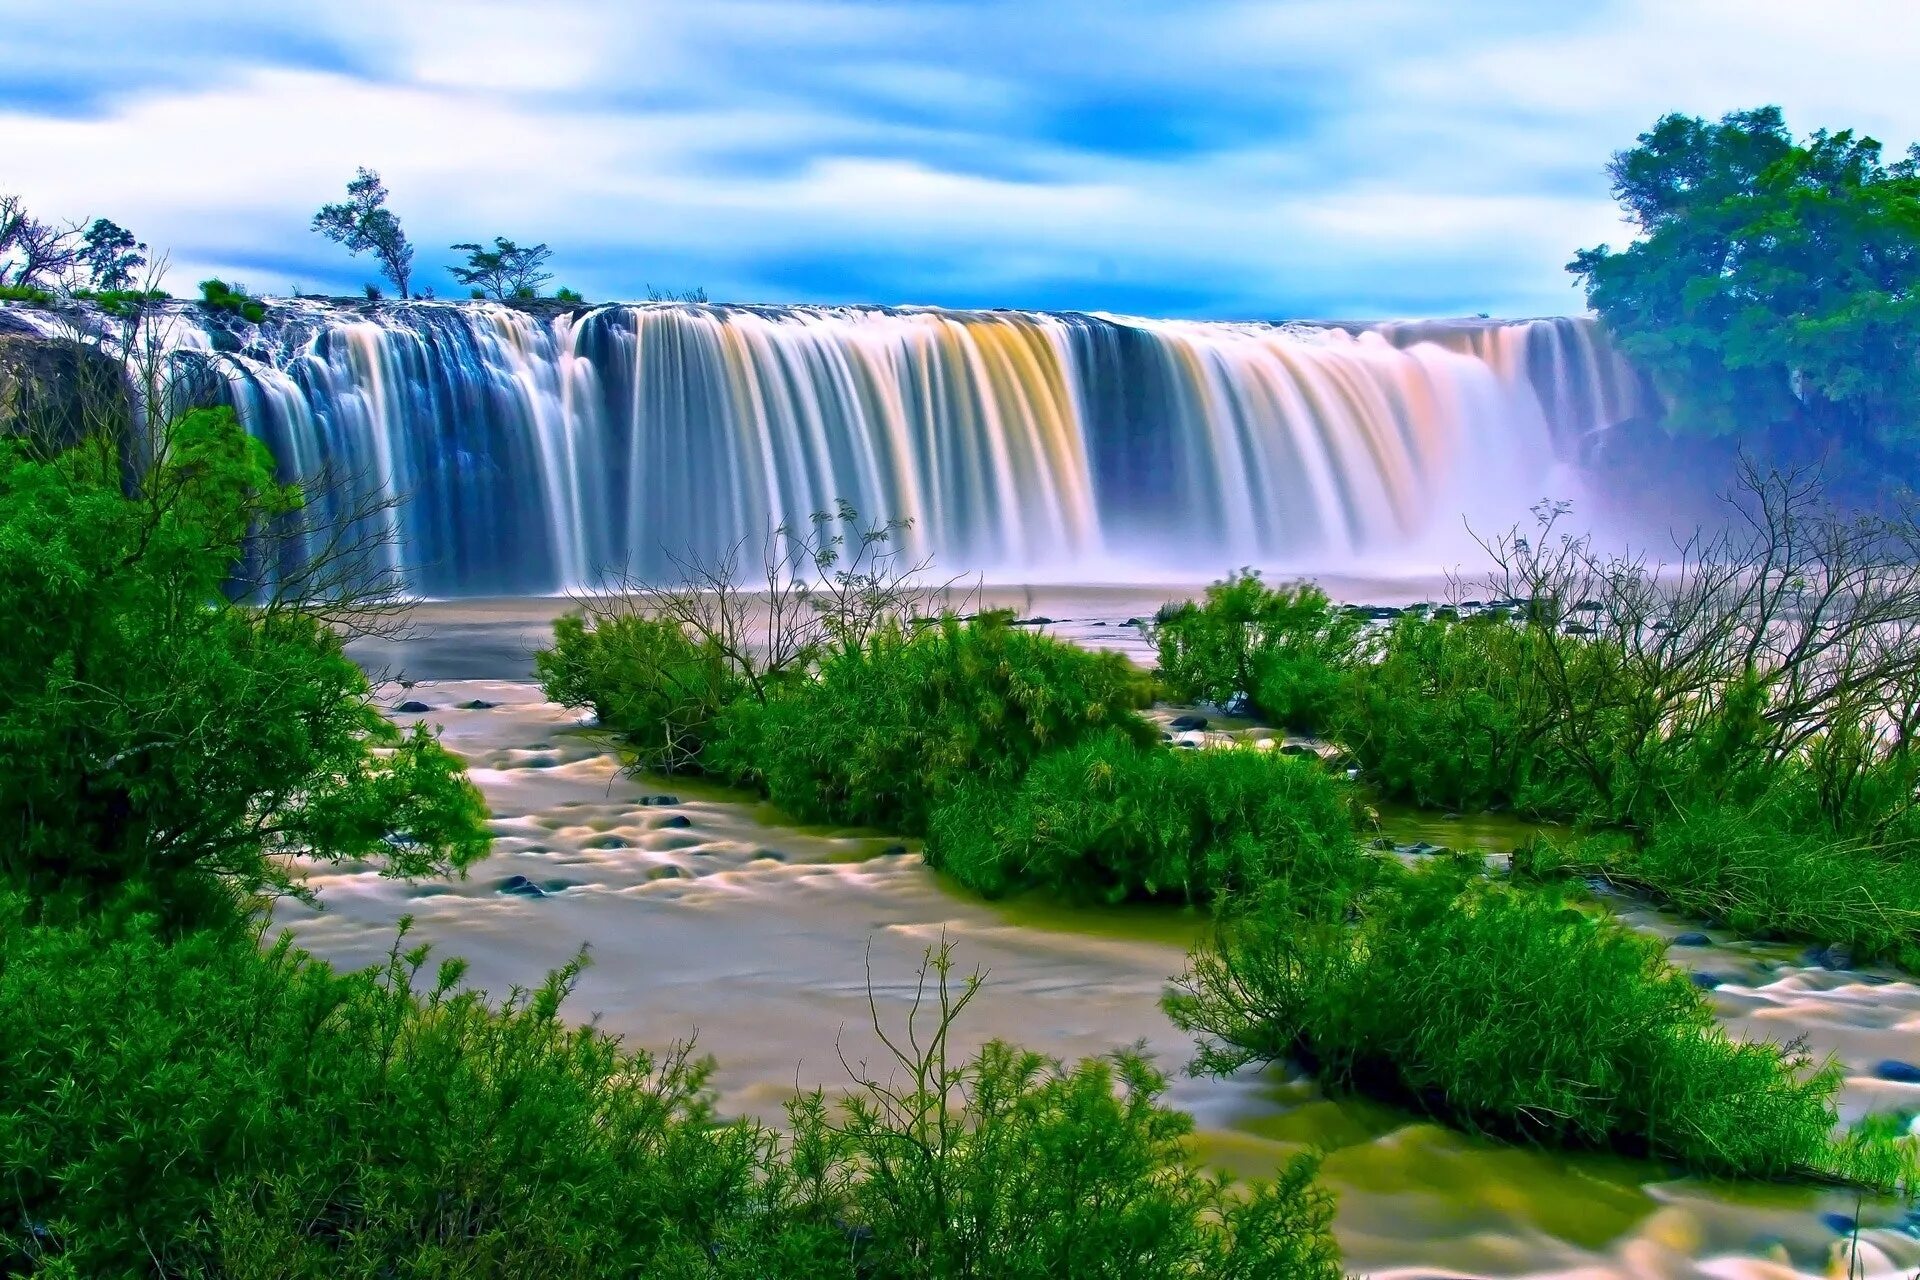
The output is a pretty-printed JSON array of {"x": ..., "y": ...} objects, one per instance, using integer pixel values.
[
  {"x": 1774, "y": 292},
  {"x": 35, "y": 253},
  {"x": 111, "y": 255},
  {"x": 505, "y": 271},
  {"x": 363, "y": 223}
]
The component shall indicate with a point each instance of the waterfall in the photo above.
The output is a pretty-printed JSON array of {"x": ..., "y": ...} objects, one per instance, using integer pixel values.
[{"x": 530, "y": 453}]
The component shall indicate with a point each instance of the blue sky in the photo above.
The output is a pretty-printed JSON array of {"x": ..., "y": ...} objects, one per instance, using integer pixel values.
[{"x": 1325, "y": 158}]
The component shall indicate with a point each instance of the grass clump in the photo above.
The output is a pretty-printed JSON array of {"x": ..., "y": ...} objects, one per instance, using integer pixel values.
[
  {"x": 1284, "y": 650},
  {"x": 1751, "y": 868},
  {"x": 1507, "y": 1012},
  {"x": 218, "y": 295},
  {"x": 1110, "y": 820},
  {"x": 887, "y": 729}
]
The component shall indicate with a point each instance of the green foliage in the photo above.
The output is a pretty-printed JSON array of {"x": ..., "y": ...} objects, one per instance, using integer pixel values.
[
  {"x": 1509, "y": 1012},
  {"x": 218, "y": 295},
  {"x": 363, "y": 223},
  {"x": 1776, "y": 283},
  {"x": 1015, "y": 1165},
  {"x": 206, "y": 1107},
  {"x": 165, "y": 736},
  {"x": 646, "y": 680},
  {"x": 1284, "y": 649},
  {"x": 505, "y": 271},
  {"x": 124, "y": 302},
  {"x": 1445, "y": 715},
  {"x": 25, "y": 293},
  {"x": 1108, "y": 819},
  {"x": 1761, "y": 873},
  {"x": 564, "y": 294},
  {"x": 111, "y": 256},
  {"x": 890, "y": 727}
]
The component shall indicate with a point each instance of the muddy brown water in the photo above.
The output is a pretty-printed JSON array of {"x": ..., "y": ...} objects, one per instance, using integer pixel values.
[{"x": 714, "y": 917}]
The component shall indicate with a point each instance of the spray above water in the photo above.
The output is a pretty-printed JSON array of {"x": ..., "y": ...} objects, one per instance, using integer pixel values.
[{"x": 533, "y": 453}]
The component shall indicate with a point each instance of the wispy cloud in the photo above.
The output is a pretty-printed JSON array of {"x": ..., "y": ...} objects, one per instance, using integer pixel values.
[{"x": 1272, "y": 158}]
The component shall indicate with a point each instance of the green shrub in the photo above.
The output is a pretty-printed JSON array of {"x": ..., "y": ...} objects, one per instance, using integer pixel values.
[
  {"x": 204, "y": 1107},
  {"x": 1762, "y": 875},
  {"x": 1284, "y": 649},
  {"x": 646, "y": 680},
  {"x": 1109, "y": 820},
  {"x": 1015, "y": 1165},
  {"x": 163, "y": 735},
  {"x": 889, "y": 728},
  {"x": 1443, "y": 715},
  {"x": 121, "y": 302},
  {"x": 1509, "y": 1012},
  {"x": 218, "y": 295}
]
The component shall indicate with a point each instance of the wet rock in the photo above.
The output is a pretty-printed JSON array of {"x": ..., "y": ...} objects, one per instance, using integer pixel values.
[
  {"x": 893, "y": 850},
  {"x": 1381, "y": 842},
  {"x": 1578, "y": 629},
  {"x": 1098, "y": 624},
  {"x": 1897, "y": 1071},
  {"x": 1179, "y": 723},
  {"x": 1705, "y": 981},
  {"x": 1693, "y": 939},
  {"x": 521, "y": 887},
  {"x": 1192, "y": 739},
  {"x": 478, "y": 704},
  {"x": 1420, "y": 848},
  {"x": 556, "y": 886},
  {"x": 668, "y": 872},
  {"x": 1839, "y": 1223},
  {"x": 1837, "y": 956},
  {"x": 1297, "y": 749},
  {"x": 657, "y": 800},
  {"x": 676, "y": 820},
  {"x": 1034, "y": 622},
  {"x": 769, "y": 855},
  {"x": 412, "y": 708}
]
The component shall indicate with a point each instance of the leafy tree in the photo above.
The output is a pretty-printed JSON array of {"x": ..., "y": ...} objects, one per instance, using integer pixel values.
[
  {"x": 111, "y": 255},
  {"x": 1775, "y": 289},
  {"x": 169, "y": 740},
  {"x": 364, "y": 224},
  {"x": 505, "y": 271}
]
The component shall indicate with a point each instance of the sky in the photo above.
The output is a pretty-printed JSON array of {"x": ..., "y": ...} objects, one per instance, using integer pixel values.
[{"x": 1276, "y": 159}]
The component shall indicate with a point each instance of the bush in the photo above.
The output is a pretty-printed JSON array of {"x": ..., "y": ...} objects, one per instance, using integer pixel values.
[
  {"x": 890, "y": 727},
  {"x": 1508, "y": 1012},
  {"x": 207, "y": 1108},
  {"x": 1444, "y": 715},
  {"x": 218, "y": 295},
  {"x": 1283, "y": 649},
  {"x": 31, "y": 294},
  {"x": 1014, "y": 1165},
  {"x": 1110, "y": 820},
  {"x": 1761, "y": 874},
  {"x": 162, "y": 735},
  {"x": 204, "y": 1108},
  {"x": 646, "y": 680}
]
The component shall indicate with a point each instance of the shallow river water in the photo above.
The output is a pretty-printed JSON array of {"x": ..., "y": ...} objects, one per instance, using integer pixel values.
[{"x": 711, "y": 916}]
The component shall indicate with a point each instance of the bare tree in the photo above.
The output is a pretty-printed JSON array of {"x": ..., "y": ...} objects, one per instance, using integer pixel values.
[{"x": 1793, "y": 632}]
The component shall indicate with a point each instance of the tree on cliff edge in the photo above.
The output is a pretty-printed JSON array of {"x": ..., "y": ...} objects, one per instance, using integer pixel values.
[
  {"x": 1774, "y": 292},
  {"x": 364, "y": 224},
  {"x": 505, "y": 271}
]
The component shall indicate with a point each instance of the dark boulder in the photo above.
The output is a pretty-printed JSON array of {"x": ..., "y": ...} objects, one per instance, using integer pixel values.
[
  {"x": 1693, "y": 939},
  {"x": 1181, "y": 724},
  {"x": 412, "y": 708},
  {"x": 676, "y": 820},
  {"x": 1897, "y": 1071},
  {"x": 521, "y": 887}
]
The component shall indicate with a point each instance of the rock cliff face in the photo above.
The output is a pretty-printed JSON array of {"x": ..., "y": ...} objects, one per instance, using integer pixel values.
[{"x": 55, "y": 388}]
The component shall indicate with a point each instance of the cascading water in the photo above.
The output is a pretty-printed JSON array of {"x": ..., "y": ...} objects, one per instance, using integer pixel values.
[{"x": 533, "y": 454}]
